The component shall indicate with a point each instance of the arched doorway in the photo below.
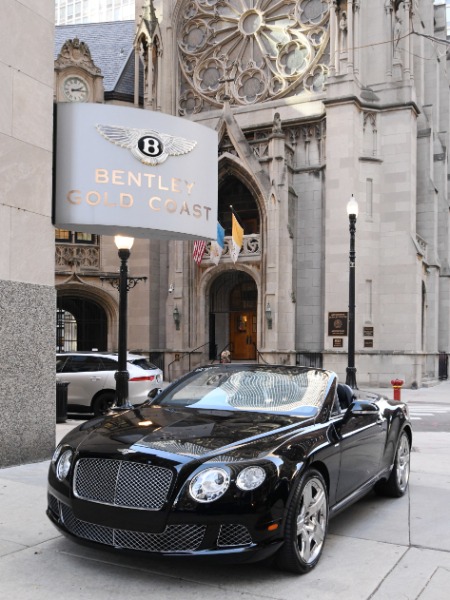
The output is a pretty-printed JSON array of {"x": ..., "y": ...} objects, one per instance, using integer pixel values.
[
  {"x": 233, "y": 315},
  {"x": 233, "y": 191},
  {"x": 81, "y": 324}
]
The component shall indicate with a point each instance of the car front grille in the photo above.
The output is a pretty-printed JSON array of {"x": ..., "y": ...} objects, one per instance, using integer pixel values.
[
  {"x": 233, "y": 535},
  {"x": 122, "y": 483},
  {"x": 175, "y": 538}
]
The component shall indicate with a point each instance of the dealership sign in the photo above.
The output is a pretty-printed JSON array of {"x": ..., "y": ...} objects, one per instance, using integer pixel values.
[{"x": 136, "y": 172}]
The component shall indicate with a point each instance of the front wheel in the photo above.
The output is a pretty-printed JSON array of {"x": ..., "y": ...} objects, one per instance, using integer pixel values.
[
  {"x": 397, "y": 483},
  {"x": 102, "y": 404},
  {"x": 306, "y": 525}
]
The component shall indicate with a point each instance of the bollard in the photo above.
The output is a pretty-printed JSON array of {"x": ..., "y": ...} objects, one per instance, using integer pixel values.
[{"x": 397, "y": 385}]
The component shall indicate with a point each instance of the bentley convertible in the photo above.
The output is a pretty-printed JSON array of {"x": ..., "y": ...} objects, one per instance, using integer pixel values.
[{"x": 238, "y": 462}]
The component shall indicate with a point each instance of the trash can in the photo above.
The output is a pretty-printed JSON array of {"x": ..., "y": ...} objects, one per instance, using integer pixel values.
[{"x": 61, "y": 401}]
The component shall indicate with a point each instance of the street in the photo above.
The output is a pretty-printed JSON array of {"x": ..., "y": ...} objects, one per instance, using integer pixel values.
[{"x": 429, "y": 408}]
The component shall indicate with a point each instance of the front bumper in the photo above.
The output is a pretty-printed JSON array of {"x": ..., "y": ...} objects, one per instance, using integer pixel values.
[{"x": 225, "y": 540}]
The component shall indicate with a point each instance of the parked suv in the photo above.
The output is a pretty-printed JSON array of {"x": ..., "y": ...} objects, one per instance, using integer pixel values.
[{"x": 92, "y": 384}]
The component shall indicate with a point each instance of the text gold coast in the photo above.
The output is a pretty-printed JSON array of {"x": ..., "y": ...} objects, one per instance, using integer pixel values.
[{"x": 172, "y": 195}]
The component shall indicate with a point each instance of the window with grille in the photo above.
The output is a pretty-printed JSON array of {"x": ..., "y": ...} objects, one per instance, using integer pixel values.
[{"x": 75, "y": 237}]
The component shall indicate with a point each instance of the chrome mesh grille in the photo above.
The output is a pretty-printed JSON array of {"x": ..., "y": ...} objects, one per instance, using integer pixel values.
[
  {"x": 233, "y": 535},
  {"x": 53, "y": 504},
  {"x": 122, "y": 483},
  {"x": 88, "y": 531},
  {"x": 175, "y": 538}
]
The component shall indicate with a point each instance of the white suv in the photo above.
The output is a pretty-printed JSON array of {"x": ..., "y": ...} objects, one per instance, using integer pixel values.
[{"x": 92, "y": 384}]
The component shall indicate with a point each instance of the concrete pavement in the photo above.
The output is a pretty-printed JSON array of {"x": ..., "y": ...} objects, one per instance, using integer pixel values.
[{"x": 379, "y": 549}]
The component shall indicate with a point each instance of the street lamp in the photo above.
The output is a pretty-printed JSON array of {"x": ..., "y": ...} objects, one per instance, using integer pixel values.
[
  {"x": 124, "y": 245},
  {"x": 176, "y": 317},
  {"x": 269, "y": 316},
  {"x": 352, "y": 211}
]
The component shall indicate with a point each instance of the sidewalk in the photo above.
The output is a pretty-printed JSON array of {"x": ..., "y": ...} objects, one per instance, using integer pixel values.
[{"x": 379, "y": 549}]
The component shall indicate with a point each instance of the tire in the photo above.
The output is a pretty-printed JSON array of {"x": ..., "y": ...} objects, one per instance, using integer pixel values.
[
  {"x": 102, "y": 403},
  {"x": 306, "y": 525},
  {"x": 397, "y": 483}
]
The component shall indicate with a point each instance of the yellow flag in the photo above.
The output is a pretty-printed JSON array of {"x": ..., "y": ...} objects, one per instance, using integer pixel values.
[{"x": 237, "y": 236}]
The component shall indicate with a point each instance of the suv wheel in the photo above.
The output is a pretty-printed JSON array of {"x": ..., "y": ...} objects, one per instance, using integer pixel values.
[{"x": 102, "y": 403}]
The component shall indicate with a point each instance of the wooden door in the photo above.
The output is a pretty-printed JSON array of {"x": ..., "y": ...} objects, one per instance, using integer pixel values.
[{"x": 243, "y": 335}]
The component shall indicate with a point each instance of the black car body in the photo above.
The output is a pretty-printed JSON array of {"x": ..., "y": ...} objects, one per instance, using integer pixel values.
[{"x": 234, "y": 461}]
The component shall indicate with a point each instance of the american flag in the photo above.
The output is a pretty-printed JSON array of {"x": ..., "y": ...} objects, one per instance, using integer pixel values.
[{"x": 199, "y": 250}]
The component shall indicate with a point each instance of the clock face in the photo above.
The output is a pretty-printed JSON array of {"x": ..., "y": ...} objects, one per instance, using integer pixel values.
[{"x": 75, "y": 89}]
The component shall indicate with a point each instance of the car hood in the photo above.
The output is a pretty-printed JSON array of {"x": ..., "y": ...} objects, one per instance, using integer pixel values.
[{"x": 189, "y": 433}]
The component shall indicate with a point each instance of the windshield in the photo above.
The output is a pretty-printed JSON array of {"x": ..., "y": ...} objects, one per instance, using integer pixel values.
[{"x": 274, "y": 390}]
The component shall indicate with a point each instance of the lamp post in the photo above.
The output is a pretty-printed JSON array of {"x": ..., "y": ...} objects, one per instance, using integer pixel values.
[
  {"x": 269, "y": 316},
  {"x": 124, "y": 245},
  {"x": 352, "y": 211},
  {"x": 176, "y": 317}
]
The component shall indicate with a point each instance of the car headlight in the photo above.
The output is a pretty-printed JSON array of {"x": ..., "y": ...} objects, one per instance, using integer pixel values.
[
  {"x": 250, "y": 478},
  {"x": 63, "y": 465},
  {"x": 209, "y": 485},
  {"x": 56, "y": 454}
]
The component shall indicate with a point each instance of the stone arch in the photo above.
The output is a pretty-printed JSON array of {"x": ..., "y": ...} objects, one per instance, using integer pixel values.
[
  {"x": 230, "y": 165},
  {"x": 87, "y": 293},
  {"x": 220, "y": 313}
]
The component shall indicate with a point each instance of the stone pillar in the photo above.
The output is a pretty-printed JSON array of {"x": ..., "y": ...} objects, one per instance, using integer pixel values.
[
  {"x": 333, "y": 39},
  {"x": 279, "y": 286},
  {"x": 350, "y": 37},
  {"x": 356, "y": 36},
  {"x": 136, "y": 75}
]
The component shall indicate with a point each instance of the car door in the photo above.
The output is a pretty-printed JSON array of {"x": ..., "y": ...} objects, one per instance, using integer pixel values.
[
  {"x": 362, "y": 435},
  {"x": 85, "y": 380},
  {"x": 109, "y": 367}
]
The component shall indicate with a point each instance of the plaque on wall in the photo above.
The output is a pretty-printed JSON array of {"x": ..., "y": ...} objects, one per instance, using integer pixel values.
[
  {"x": 337, "y": 324},
  {"x": 368, "y": 331},
  {"x": 368, "y": 343},
  {"x": 338, "y": 343}
]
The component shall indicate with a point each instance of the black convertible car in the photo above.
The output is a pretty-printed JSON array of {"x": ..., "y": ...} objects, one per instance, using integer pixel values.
[{"x": 239, "y": 462}]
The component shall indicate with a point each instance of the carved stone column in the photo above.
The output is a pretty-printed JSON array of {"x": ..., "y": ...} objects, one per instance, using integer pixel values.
[
  {"x": 356, "y": 36},
  {"x": 333, "y": 38},
  {"x": 350, "y": 37}
]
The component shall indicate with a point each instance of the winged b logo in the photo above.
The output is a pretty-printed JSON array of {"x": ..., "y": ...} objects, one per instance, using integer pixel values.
[{"x": 148, "y": 146}]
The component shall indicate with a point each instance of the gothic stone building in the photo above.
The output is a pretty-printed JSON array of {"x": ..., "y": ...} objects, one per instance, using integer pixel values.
[{"x": 313, "y": 101}]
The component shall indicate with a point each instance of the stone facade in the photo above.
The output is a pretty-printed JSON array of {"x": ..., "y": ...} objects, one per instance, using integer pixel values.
[
  {"x": 313, "y": 101},
  {"x": 27, "y": 293}
]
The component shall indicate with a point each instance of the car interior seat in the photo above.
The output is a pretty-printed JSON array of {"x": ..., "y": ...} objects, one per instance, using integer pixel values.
[{"x": 345, "y": 395}]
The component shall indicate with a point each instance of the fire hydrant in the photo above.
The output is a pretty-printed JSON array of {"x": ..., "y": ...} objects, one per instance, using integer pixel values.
[{"x": 397, "y": 386}]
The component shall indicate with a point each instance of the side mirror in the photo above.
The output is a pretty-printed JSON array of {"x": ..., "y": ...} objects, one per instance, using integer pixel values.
[{"x": 359, "y": 408}]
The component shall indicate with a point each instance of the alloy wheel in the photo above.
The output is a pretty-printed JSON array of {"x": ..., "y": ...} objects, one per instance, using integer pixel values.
[
  {"x": 312, "y": 520},
  {"x": 402, "y": 463}
]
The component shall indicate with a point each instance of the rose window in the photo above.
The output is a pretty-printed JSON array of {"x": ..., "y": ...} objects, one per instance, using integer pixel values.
[{"x": 251, "y": 51}]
